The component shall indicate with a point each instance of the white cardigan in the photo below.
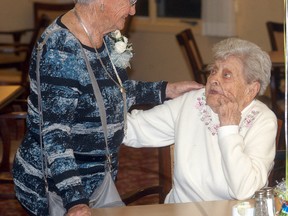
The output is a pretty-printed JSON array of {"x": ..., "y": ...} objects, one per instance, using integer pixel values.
[{"x": 211, "y": 162}]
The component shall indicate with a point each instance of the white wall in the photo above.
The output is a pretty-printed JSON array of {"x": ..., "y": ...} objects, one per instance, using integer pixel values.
[{"x": 158, "y": 56}]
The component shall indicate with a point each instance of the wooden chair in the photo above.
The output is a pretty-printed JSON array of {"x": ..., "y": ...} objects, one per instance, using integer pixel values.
[
  {"x": 17, "y": 74},
  {"x": 165, "y": 160},
  {"x": 9, "y": 114},
  {"x": 188, "y": 44},
  {"x": 6, "y": 134},
  {"x": 165, "y": 180},
  {"x": 16, "y": 68},
  {"x": 50, "y": 10},
  {"x": 278, "y": 171},
  {"x": 12, "y": 56},
  {"x": 276, "y": 37},
  {"x": 277, "y": 96}
]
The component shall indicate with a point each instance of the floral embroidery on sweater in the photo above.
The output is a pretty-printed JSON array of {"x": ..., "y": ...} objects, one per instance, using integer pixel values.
[
  {"x": 205, "y": 116},
  {"x": 249, "y": 119}
]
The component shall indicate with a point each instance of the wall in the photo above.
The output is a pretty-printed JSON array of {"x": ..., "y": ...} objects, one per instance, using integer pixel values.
[
  {"x": 157, "y": 55},
  {"x": 252, "y": 16}
]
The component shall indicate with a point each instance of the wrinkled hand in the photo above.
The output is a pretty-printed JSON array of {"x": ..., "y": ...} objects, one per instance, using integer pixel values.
[
  {"x": 176, "y": 89},
  {"x": 79, "y": 210},
  {"x": 228, "y": 112}
]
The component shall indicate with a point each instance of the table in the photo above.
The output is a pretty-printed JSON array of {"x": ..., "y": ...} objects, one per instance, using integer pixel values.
[
  {"x": 8, "y": 93},
  {"x": 277, "y": 58},
  {"x": 215, "y": 208}
]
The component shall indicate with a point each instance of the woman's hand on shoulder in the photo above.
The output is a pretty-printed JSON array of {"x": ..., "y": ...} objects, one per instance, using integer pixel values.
[
  {"x": 176, "y": 89},
  {"x": 79, "y": 210}
]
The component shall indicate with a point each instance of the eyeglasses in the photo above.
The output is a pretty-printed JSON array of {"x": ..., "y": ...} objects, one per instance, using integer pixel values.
[{"x": 133, "y": 2}]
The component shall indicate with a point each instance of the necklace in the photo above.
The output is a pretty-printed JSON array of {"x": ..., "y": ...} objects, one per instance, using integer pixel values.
[{"x": 119, "y": 83}]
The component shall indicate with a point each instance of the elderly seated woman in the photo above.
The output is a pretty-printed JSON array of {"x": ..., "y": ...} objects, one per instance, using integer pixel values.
[{"x": 224, "y": 137}]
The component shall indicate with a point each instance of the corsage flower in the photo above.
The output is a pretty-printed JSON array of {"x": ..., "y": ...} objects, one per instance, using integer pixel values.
[{"x": 122, "y": 50}]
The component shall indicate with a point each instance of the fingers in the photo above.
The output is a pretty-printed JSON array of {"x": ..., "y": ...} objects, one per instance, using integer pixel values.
[
  {"x": 230, "y": 97},
  {"x": 178, "y": 88},
  {"x": 79, "y": 210},
  {"x": 229, "y": 113},
  {"x": 195, "y": 85}
]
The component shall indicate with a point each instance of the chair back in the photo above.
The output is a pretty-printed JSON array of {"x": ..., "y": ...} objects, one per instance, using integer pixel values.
[
  {"x": 191, "y": 51},
  {"x": 14, "y": 67},
  {"x": 41, "y": 25},
  {"x": 276, "y": 35},
  {"x": 278, "y": 171},
  {"x": 166, "y": 167},
  {"x": 165, "y": 171},
  {"x": 50, "y": 10},
  {"x": 277, "y": 101}
]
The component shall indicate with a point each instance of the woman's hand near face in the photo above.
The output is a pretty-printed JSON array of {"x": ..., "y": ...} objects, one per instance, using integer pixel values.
[
  {"x": 176, "y": 89},
  {"x": 79, "y": 210},
  {"x": 228, "y": 111}
]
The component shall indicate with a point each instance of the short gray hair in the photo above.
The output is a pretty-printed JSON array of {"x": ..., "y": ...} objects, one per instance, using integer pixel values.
[{"x": 256, "y": 62}]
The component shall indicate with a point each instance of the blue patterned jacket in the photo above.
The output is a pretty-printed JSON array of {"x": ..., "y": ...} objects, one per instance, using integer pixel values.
[{"x": 72, "y": 133}]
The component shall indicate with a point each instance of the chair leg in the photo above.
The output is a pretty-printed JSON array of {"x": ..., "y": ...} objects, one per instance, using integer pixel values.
[{"x": 6, "y": 143}]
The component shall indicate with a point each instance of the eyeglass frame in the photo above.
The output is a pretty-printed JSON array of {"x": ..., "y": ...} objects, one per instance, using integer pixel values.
[{"x": 133, "y": 2}]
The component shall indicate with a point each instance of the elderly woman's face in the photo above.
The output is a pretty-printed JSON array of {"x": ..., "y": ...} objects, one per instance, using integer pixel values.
[
  {"x": 121, "y": 9},
  {"x": 227, "y": 80}
]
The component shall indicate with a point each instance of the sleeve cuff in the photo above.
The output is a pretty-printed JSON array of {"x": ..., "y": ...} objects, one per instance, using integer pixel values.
[
  {"x": 227, "y": 130},
  {"x": 163, "y": 91},
  {"x": 77, "y": 202}
]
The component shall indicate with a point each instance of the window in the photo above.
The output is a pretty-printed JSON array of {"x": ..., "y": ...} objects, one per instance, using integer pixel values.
[{"x": 169, "y": 8}]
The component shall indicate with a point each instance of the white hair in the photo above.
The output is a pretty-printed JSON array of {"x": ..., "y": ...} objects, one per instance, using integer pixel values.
[{"x": 256, "y": 62}]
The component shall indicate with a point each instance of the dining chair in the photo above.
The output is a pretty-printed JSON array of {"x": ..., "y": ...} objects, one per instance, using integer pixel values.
[
  {"x": 191, "y": 52},
  {"x": 6, "y": 116},
  {"x": 17, "y": 74},
  {"x": 12, "y": 53},
  {"x": 277, "y": 174},
  {"x": 14, "y": 67},
  {"x": 276, "y": 35},
  {"x": 165, "y": 163},
  {"x": 12, "y": 56},
  {"x": 276, "y": 38},
  {"x": 11, "y": 115},
  {"x": 277, "y": 96},
  {"x": 165, "y": 167}
]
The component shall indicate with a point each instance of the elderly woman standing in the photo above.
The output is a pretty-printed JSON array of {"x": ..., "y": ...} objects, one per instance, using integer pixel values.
[
  {"x": 72, "y": 134},
  {"x": 224, "y": 137}
]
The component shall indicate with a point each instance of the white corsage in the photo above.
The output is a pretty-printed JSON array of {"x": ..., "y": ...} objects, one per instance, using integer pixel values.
[{"x": 122, "y": 50}]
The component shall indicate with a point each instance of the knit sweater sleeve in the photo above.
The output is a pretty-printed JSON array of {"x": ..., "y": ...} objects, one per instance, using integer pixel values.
[
  {"x": 154, "y": 127},
  {"x": 145, "y": 92},
  {"x": 247, "y": 158}
]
